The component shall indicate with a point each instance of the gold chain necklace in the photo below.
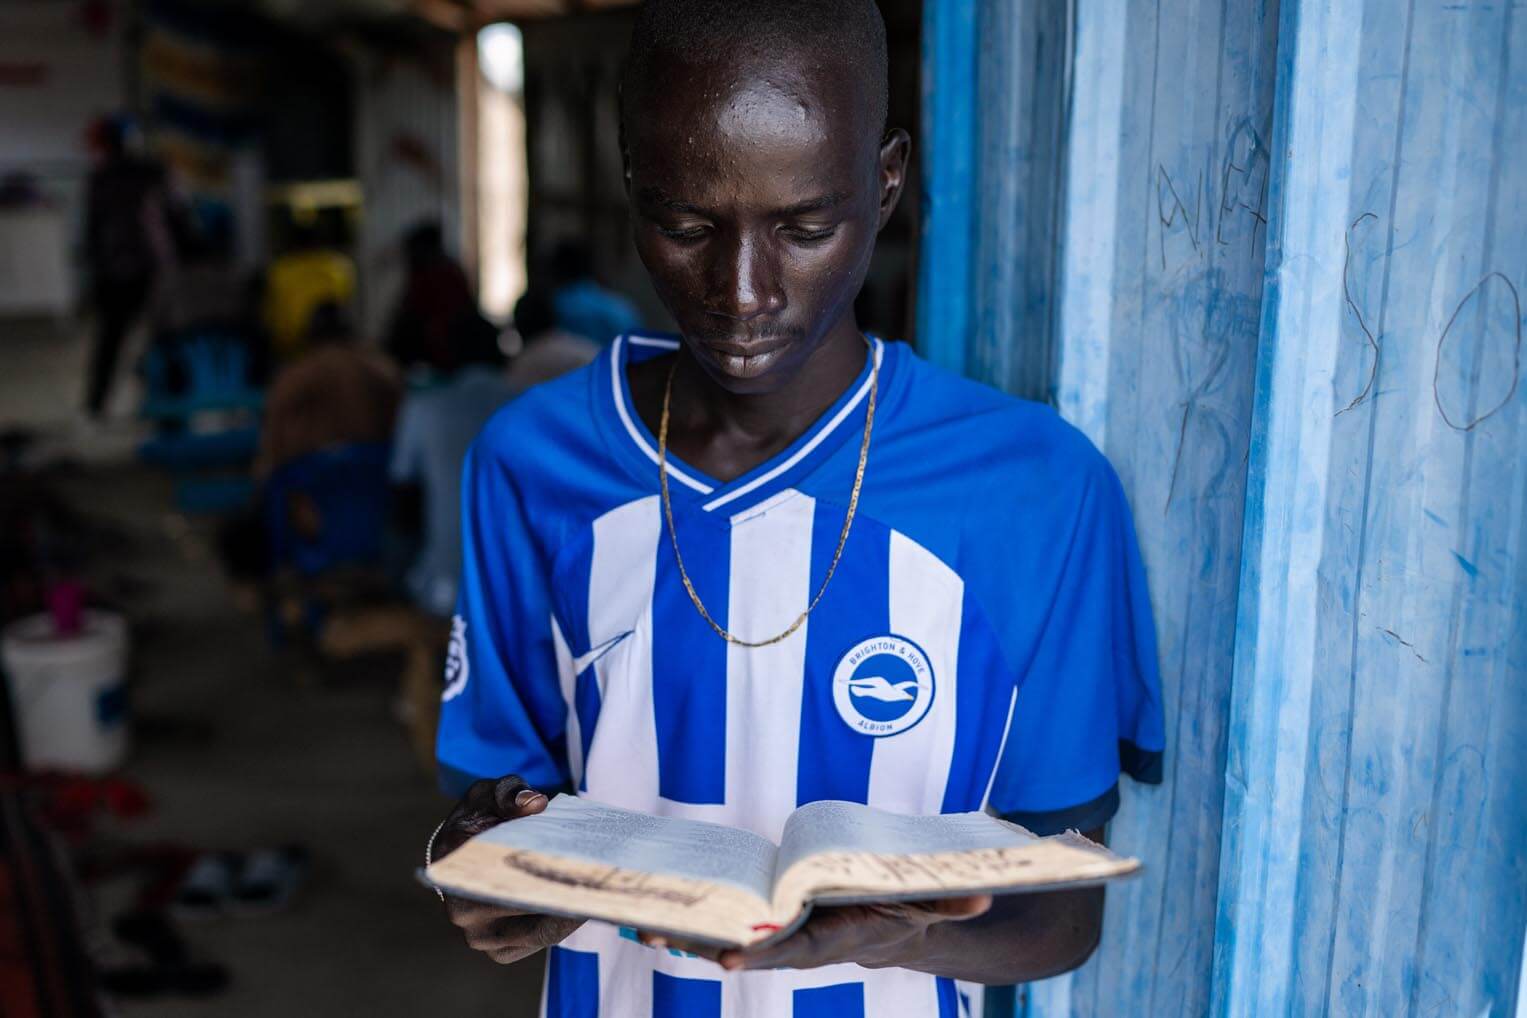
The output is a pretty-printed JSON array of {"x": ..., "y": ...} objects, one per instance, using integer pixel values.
[{"x": 848, "y": 520}]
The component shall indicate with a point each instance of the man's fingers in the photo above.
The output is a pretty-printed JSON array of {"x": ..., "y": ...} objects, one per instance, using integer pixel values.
[
  {"x": 957, "y": 909},
  {"x": 526, "y": 933},
  {"x": 799, "y": 950},
  {"x": 464, "y": 911},
  {"x": 487, "y": 803}
]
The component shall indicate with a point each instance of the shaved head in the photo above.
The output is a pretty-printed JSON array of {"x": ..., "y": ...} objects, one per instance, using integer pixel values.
[{"x": 847, "y": 35}]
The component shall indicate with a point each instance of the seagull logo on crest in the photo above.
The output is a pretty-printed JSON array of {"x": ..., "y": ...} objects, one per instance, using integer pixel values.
[{"x": 877, "y": 687}]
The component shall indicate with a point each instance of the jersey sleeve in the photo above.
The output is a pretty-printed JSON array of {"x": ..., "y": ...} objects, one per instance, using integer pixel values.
[
  {"x": 1088, "y": 706},
  {"x": 502, "y": 709}
]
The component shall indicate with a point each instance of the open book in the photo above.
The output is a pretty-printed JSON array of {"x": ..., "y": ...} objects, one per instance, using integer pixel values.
[{"x": 719, "y": 885}]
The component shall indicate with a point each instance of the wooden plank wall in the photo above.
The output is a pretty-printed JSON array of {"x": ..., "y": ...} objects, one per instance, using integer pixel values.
[{"x": 1360, "y": 670}]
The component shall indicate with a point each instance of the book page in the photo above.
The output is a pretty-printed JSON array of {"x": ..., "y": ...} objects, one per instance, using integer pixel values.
[
  {"x": 579, "y": 858},
  {"x": 839, "y": 852},
  {"x": 833, "y": 826},
  {"x": 577, "y": 828}
]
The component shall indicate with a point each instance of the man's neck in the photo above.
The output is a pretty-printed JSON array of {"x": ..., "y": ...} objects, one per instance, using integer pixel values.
[{"x": 726, "y": 434}]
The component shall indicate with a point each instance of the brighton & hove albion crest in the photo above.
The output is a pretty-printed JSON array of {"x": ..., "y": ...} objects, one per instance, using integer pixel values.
[
  {"x": 456, "y": 666},
  {"x": 883, "y": 686}
]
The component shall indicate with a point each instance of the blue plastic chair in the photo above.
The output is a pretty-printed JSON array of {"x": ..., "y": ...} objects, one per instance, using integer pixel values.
[
  {"x": 349, "y": 488},
  {"x": 214, "y": 369}
]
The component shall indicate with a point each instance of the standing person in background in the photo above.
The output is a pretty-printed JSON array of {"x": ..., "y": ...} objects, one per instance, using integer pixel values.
[
  {"x": 437, "y": 315},
  {"x": 129, "y": 242}
]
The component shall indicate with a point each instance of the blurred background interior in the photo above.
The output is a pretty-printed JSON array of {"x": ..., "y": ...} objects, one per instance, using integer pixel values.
[{"x": 265, "y": 268}]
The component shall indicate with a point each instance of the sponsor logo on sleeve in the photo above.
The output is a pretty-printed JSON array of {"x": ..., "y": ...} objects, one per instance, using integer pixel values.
[{"x": 457, "y": 666}]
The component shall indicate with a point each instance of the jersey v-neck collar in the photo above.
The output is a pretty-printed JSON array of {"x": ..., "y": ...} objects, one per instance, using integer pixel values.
[{"x": 636, "y": 446}]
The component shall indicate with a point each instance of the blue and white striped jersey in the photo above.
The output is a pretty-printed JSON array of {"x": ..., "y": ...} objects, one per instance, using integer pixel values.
[{"x": 986, "y": 640}]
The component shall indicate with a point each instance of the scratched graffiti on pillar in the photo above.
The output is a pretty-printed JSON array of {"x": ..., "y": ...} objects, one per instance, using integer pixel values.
[
  {"x": 1243, "y": 181},
  {"x": 1357, "y": 312},
  {"x": 1171, "y": 211},
  {"x": 1471, "y": 418},
  {"x": 1212, "y": 312},
  {"x": 1202, "y": 357}
]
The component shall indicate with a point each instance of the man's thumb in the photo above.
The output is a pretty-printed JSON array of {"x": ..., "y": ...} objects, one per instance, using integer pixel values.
[{"x": 513, "y": 798}]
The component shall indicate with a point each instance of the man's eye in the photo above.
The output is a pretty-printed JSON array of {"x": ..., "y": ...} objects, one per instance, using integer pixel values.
[
  {"x": 682, "y": 233},
  {"x": 808, "y": 236}
]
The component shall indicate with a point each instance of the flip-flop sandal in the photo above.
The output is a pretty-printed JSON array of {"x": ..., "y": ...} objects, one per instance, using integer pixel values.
[
  {"x": 269, "y": 879},
  {"x": 204, "y": 890}
]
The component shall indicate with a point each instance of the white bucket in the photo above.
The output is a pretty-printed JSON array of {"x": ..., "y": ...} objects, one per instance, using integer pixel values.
[{"x": 69, "y": 693}]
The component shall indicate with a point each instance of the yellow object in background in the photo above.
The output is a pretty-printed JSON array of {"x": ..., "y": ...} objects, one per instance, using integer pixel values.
[{"x": 297, "y": 284}]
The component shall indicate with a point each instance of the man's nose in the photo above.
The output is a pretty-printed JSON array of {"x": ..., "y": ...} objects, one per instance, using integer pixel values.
[{"x": 746, "y": 282}]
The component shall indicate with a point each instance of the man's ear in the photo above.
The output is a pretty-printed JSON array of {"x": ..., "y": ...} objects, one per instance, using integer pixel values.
[{"x": 895, "y": 150}]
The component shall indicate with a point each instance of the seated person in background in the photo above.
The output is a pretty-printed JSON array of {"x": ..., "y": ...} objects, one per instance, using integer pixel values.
[
  {"x": 582, "y": 305},
  {"x": 310, "y": 276},
  {"x": 335, "y": 394},
  {"x": 437, "y": 315},
  {"x": 546, "y": 350},
  {"x": 435, "y": 428}
]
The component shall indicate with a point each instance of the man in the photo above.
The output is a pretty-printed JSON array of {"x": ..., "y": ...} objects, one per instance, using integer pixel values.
[
  {"x": 129, "y": 241},
  {"x": 336, "y": 393},
  {"x": 690, "y": 643},
  {"x": 546, "y": 350},
  {"x": 437, "y": 314},
  {"x": 436, "y": 425},
  {"x": 583, "y": 306}
]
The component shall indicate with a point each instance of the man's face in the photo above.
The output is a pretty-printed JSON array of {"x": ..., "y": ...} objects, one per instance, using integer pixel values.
[{"x": 757, "y": 189}]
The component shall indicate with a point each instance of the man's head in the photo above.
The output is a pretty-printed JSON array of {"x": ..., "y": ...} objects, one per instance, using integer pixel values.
[{"x": 760, "y": 172}]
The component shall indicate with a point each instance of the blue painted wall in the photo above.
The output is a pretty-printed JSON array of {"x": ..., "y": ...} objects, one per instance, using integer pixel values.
[
  {"x": 1277, "y": 284},
  {"x": 1375, "y": 861}
]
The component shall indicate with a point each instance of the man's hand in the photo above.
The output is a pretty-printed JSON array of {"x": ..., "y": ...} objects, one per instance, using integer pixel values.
[
  {"x": 875, "y": 936},
  {"x": 1012, "y": 939},
  {"x": 503, "y": 934}
]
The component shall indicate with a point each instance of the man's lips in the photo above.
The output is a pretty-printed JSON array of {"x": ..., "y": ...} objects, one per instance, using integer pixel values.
[{"x": 757, "y": 348}]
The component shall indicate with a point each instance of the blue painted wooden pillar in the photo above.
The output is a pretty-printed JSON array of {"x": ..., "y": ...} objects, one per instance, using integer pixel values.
[
  {"x": 948, "y": 181},
  {"x": 1375, "y": 856},
  {"x": 1159, "y": 296}
]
